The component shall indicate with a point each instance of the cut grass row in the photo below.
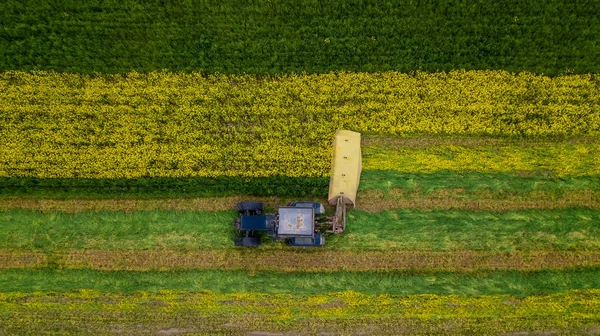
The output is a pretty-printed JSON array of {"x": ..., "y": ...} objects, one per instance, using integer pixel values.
[
  {"x": 527, "y": 230},
  {"x": 457, "y": 199},
  {"x": 371, "y": 201},
  {"x": 293, "y": 260},
  {"x": 91, "y": 312}
]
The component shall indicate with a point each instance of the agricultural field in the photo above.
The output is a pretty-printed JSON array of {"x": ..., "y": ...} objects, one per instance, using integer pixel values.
[{"x": 129, "y": 130}]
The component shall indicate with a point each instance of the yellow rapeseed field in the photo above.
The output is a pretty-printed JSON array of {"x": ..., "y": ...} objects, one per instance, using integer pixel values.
[{"x": 183, "y": 125}]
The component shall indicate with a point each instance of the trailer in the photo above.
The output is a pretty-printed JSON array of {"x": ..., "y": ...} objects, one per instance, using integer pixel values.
[{"x": 304, "y": 223}]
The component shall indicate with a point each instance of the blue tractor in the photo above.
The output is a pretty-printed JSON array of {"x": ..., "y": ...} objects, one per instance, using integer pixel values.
[
  {"x": 298, "y": 224},
  {"x": 305, "y": 223}
]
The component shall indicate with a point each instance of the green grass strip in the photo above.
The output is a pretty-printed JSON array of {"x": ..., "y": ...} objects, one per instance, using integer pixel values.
[
  {"x": 563, "y": 229},
  {"x": 266, "y": 37},
  {"x": 498, "y": 183},
  {"x": 397, "y": 283},
  {"x": 568, "y": 229},
  {"x": 135, "y": 230}
]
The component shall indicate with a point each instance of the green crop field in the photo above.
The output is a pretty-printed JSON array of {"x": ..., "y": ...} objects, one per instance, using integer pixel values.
[
  {"x": 130, "y": 129},
  {"x": 267, "y": 37}
]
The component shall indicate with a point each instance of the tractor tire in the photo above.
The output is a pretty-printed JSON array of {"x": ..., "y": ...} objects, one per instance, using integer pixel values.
[
  {"x": 256, "y": 207},
  {"x": 248, "y": 241}
]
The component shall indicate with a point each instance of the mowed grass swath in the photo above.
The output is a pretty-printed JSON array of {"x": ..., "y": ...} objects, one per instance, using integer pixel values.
[
  {"x": 521, "y": 284},
  {"x": 178, "y": 125}
]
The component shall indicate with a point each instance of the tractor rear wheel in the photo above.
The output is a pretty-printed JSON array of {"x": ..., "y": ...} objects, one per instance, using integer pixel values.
[
  {"x": 256, "y": 207},
  {"x": 248, "y": 241}
]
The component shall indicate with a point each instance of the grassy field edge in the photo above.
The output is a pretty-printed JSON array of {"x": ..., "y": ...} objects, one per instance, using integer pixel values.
[{"x": 370, "y": 200}]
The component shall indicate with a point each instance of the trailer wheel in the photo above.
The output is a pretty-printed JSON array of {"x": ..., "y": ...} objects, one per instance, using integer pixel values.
[{"x": 256, "y": 207}]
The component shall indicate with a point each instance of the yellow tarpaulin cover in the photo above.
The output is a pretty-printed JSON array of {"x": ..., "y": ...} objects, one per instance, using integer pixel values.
[{"x": 345, "y": 167}]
